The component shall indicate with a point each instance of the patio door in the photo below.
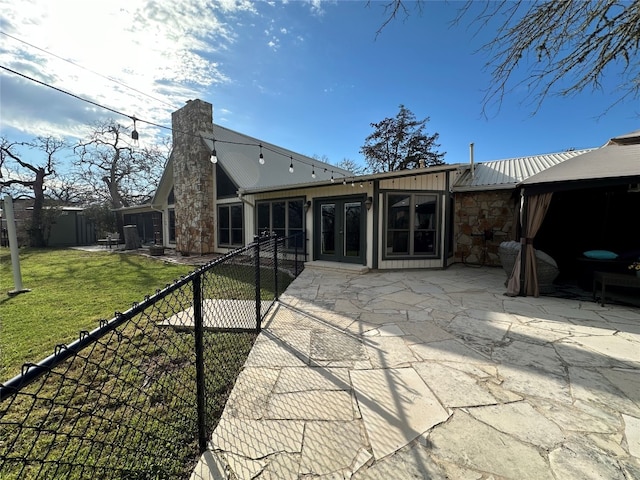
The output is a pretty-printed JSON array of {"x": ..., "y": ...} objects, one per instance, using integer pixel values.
[{"x": 340, "y": 229}]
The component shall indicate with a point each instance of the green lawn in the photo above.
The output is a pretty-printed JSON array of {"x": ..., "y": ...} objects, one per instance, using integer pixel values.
[
  {"x": 71, "y": 290},
  {"x": 124, "y": 407}
]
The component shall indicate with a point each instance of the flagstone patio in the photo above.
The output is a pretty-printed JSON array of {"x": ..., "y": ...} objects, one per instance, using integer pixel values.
[{"x": 433, "y": 374}]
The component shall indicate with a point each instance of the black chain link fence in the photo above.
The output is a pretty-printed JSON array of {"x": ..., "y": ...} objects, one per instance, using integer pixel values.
[{"x": 139, "y": 396}]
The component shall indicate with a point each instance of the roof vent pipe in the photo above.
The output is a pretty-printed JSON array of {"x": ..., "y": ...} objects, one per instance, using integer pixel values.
[{"x": 471, "y": 160}]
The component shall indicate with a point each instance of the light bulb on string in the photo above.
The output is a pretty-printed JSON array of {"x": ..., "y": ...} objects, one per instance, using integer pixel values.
[
  {"x": 134, "y": 133},
  {"x": 333, "y": 180},
  {"x": 344, "y": 180},
  {"x": 291, "y": 165},
  {"x": 214, "y": 155},
  {"x": 313, "y": 171},
  {"x": 261, "y": 157}
]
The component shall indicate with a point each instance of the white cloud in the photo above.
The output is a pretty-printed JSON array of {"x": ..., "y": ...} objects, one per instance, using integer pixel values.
[
  {"x": 164, "y": 49},
  {"x": 316, "y": 7}
]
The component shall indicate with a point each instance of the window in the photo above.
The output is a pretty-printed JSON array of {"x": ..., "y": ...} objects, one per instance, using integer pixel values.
[
  {"x": 172, "y": 225},
  {"x": 282, "y": 217},
  {"x": 225, "y": 188},
  {"x": 411, "y": 224},
  {"x": 230, "y": 232}
]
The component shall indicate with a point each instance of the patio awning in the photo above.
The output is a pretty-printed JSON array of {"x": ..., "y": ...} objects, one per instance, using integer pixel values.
[{"x": 616, "y": 163}]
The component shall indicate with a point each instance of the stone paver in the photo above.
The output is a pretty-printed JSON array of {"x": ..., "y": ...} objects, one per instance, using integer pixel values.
[
  {"x": 632, "y": 433},
  {"x": 473, "y": 444},
  {"x": 396, "y": 406},
  {"x": 432, "y": 374},
  {"x": 331, "y": 447}
]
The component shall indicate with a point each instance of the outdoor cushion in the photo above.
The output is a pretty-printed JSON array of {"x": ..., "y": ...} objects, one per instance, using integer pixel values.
[
  {"x": 600, "y": 254},
  {"x": 511, "y": 245},
  {"x": 545, "y": 257}
]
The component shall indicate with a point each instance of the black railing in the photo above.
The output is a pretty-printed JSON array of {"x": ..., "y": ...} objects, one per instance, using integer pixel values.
[{"x": 139, "y": 396}]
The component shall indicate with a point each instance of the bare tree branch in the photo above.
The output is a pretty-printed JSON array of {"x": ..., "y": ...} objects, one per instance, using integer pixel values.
[
  {"x": 116, "y": 170},
  {"x": 31, "y": 177},
  {"x": 554, "y": 47}
]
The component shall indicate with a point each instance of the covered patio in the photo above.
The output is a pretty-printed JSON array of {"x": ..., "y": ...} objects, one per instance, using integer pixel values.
[{"x": 433, "y": 374}]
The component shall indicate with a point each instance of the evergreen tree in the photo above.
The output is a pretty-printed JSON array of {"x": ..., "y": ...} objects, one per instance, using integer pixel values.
[{"x": 400, "y": 143}]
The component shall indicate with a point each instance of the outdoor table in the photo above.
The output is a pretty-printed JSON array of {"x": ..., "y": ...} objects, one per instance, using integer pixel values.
[{"x": 613, "y": 279}]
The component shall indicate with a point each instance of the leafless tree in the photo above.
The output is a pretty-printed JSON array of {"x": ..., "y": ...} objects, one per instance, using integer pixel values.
[
  {"x": 573, "y": 45},
  {"x": 118, "y": 171},
  {"x": 27, "y": 178},
  {"x": 352, "y": 166}
]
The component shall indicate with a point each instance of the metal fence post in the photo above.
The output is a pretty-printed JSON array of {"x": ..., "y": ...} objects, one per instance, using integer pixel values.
[
  {"x": 257, "y": 282},
  {"x": 275, "y": 265},
  {"x": 199, "y": 344}
]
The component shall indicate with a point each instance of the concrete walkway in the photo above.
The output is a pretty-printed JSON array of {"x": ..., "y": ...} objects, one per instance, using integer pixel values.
[{"x": 433, "y": 375}]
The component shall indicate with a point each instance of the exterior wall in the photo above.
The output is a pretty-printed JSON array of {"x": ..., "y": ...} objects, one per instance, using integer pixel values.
[
  {"x": 434, "y": 182},
  {"x": 72, "y": 228},
  {"x": 309, "y": 194},
  {"x": 193, "y": 177},
  {"x": 479, "y": 212},
  {"x": 22, "y": 219}
]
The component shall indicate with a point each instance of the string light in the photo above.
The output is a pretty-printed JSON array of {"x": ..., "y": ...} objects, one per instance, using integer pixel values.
[
  {"x": 313, "y": 171},
  {"x": 214, "y": 155},
  {"x": 135, "y": 134}
]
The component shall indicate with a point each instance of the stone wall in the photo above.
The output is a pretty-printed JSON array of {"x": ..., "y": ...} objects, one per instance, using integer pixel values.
[
  {"x": 479, "y": 212},
  {"x": 193, "y": 177}
]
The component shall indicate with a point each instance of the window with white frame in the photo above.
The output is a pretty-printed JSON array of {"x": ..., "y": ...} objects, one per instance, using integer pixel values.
[
  {"x": 282, "y": 217},
  {"x": 230, "y": 222},
  {"x": 411, "y": 224}
]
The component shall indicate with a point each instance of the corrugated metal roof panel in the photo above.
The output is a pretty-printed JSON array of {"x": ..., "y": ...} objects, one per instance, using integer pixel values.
[
  {"x": 509, "y": 172},
  {"x": 238, "y": 154},
  {"x": 611, "y": 161}
]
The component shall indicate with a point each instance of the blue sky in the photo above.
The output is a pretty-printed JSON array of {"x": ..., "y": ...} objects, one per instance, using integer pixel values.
[{"x": 309, "y": 76}]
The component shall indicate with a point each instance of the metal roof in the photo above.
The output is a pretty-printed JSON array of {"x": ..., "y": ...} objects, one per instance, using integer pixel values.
[
  {"x": 362, "y": 178},
  {"x": 238, "y": 155},
  {"x": 626, "y": 139},
  {"x": 507, "y": 173},
  {"x": 613, "y": 161}
]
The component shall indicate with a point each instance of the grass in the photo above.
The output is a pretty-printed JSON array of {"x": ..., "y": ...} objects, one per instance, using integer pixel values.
[
  {"x": 125, "y": 406},
  {"x": 71, "y": 290}
]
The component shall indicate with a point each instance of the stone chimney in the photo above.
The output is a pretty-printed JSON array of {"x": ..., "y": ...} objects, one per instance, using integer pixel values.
[{"x": 193, "y": 178}]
